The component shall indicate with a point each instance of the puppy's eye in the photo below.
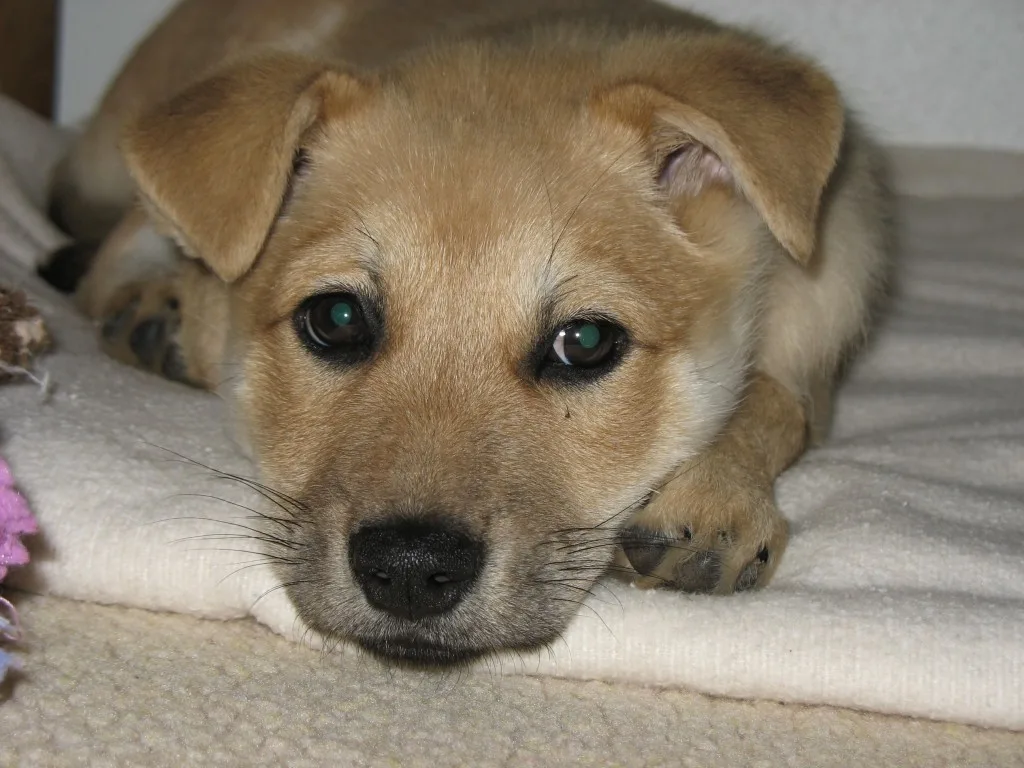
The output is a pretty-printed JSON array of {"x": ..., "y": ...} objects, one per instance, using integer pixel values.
[
  {"x": 335, "y": 325},
  {"x": 585, "y": 345}
]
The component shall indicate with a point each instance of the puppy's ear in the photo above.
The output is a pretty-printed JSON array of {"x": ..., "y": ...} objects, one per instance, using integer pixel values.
[
  {"x": 729, "y": 112},
  {"x": 213, "y": 164}
]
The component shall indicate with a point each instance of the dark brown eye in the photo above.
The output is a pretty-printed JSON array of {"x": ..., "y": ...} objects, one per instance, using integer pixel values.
[
  {"x": 584, "y": 344},
  {"x": 334, "y": 325}
]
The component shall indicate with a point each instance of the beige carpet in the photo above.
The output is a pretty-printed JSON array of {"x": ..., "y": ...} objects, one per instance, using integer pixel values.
[{"x": 113, "y": 686}]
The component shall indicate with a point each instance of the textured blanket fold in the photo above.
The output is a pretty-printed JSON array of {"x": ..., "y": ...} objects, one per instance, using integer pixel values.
[{"x": 902, "y": 590}]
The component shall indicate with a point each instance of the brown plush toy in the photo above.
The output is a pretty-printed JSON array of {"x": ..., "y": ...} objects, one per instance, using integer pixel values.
[{"x": 22, "y": 334}]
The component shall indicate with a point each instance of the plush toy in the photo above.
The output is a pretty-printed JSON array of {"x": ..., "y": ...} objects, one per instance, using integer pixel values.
[
  {"x": 15, "y": 521},
  {"x": 22, "y": 336}
]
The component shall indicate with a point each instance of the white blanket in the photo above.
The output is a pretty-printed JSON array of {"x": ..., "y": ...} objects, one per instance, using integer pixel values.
[{"x": 902, "y": 590}]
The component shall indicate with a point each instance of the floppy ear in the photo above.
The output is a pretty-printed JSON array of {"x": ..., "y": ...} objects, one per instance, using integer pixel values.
[
  {"x": 725, "y": 111},
  {"x": 213, "y": 164}
]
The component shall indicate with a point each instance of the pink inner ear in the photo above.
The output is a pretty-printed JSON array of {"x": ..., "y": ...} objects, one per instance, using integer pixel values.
[{"x": 689, "y": 169}]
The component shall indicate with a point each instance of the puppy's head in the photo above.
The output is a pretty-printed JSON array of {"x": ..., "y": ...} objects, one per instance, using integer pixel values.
[{"x": 485, "y": 304}]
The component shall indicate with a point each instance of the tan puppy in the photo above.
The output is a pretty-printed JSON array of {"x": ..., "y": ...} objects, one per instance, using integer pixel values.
[{"x": 500, "y": 293}]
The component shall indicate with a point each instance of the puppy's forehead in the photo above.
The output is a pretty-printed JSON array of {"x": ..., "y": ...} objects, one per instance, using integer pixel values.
[{"x": 454, "y": 208}]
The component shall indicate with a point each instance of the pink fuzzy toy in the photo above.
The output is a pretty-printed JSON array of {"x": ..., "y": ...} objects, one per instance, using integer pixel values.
[{"x": 15, "y": 521}]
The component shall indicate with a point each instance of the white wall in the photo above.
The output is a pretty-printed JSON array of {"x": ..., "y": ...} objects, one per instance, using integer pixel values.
[
  {"x": 935, "y": 72},
  {"x": 922, "y": 71},
  {"x": 96, "y": 37}
]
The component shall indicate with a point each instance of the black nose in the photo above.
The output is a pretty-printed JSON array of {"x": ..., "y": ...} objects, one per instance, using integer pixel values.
[{"x": 413, "y": 569}]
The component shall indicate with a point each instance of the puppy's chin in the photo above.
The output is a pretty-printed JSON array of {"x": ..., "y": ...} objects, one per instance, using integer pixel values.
[
  {"x": 417, "y": 653},
  {"x": 428, "y": 655}
]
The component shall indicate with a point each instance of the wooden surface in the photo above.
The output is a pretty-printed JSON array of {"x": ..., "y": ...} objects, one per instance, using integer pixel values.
[{"x": 28, "y": 35}]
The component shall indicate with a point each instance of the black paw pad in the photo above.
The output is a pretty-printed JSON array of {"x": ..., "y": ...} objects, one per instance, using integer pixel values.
[
  {"x": 645, "y": 549},
  {"x": 173, "y": 366},
  {"x": 699, "y": 573},
  {"x": 749, "y": 576},
  {"x": 117, "y": 324},
  {"x": 147, "y": 338}
]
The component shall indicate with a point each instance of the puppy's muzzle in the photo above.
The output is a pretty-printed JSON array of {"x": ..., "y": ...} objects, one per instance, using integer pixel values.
[{"x": 414, "y": 569}]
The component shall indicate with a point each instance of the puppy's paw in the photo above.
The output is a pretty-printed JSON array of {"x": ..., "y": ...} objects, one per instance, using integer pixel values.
[
  {"x": 711, "y": 529},
  {"x": 141, "y": 326}
]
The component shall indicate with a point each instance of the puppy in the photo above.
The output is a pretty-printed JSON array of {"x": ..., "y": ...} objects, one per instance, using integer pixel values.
[{"x": 505, "y": 295}]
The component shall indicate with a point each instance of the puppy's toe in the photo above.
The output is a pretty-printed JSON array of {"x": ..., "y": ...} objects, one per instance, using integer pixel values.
[
  {"x": 174, "y": 366},
  {"x": 700, "y": 572},
  {"x": 148, "y": 340},
  {"x": 645, "y": 549},
  {"x": 119, "y": 322},
  {"x": 751, "y": 576}
]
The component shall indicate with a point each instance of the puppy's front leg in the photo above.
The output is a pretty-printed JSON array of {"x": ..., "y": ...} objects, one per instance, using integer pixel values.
[{"x": 714, "y": 526}]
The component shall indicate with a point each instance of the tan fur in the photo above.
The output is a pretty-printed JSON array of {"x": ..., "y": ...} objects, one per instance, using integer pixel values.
[{"x": 484, "y": 177}]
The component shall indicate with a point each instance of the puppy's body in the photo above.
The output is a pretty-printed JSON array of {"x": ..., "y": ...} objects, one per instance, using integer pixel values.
[{"x": 473, "y": 183}]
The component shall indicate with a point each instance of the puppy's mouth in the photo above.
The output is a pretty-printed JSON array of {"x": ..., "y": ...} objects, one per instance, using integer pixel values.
[{"x": 420, "y": 653}]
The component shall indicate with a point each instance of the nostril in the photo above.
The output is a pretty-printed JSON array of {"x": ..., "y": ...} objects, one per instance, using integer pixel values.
[{"x": 414, "y": 569}]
